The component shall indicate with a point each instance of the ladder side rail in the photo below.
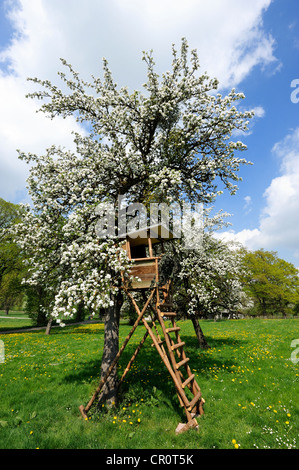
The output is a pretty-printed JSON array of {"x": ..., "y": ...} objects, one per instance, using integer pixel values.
[
  {"x": 193, "y": 386},
  {"x": 167, "y": 364},
  {"x": 180, "y": 351},
  {"x": 171, "y": 355},
  {"x": 160, "y": 341},
  {"x": 181, "y": 354}
]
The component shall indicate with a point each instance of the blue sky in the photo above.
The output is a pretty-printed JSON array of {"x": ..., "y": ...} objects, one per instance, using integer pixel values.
[{"x": 250, "y": 45}]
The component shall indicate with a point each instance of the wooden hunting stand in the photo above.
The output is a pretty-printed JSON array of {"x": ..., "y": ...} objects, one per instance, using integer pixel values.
[{"x": 140, "y": 248}]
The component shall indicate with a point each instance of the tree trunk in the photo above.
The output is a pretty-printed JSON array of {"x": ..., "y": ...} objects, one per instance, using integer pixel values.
[
  {"x": 264, "y": 309},
  {"x": 111, "y": 347},
  {"x": 49, "y": 325},
  {"x": 80, "y": 313},
  {"x": 199, "y": 333}
]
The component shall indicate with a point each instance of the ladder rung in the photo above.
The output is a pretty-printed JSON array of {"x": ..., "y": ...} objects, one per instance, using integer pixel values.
[
  {"x": 178, "y": 345},
  {"x": 187, "y": 381},
  {"x": 194, "y": 401},
  {"x": 184, "y": 361},
  {"x": 174, "y": 328},
  {"x": 168, "y": 314}
]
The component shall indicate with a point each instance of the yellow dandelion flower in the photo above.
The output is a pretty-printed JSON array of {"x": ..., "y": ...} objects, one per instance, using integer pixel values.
[{"x": 234, "y": 441}]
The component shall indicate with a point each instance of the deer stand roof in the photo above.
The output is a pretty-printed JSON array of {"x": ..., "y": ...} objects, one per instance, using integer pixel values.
[{"x": 158, "y": 305}]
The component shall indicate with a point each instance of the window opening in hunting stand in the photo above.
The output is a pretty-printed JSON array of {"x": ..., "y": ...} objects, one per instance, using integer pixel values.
[
  {"x": 141, "y": 246},
  {"x": 157, "y": 301}
]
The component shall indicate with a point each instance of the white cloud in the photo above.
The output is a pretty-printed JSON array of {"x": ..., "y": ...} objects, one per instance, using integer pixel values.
[
  {"x": 248, "y": 204},
  {"x": 259, "y": 111},
  {"x": 279, "y": 221},
  {"x": 22, "y": 128},
  {"x": 246, "y": 237},
  {"x": 228, "y": 34}
]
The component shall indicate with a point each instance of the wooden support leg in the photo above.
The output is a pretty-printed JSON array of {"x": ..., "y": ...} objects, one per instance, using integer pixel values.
[
  {"x": 83, "y": 413},
  {"x": 184, "y": 427},
  {"x": 84, "y": 410},
  {"x": 200, "y": 406},
  {"x": 133, "y": 359}
]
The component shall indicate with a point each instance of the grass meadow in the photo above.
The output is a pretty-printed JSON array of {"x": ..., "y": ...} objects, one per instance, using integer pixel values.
[
  {"x": 247, "y": 377},
  {"x": 15, "y": 320}
]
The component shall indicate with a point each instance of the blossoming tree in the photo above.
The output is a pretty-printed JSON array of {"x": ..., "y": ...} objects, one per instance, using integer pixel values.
[
  {"x": 173, "y": 141},
  {"x": 207, "y": 280}
]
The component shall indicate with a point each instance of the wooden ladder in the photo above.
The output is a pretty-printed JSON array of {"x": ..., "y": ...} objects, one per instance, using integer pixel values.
[{"x": 187, "y": 388}]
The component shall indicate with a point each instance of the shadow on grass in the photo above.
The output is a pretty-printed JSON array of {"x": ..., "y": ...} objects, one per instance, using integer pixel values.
[
  {"x": 148, "y": 363},
  {"x": 86, "y": 372},
  {"x": 149, "y": 378},
  {"x": 192, "y": 342}
]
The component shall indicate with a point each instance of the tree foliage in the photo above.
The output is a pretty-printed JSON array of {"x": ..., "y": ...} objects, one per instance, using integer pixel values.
[
  {"x": 272, "y": 282},
  {"x": 10, "y": 214},
  {"x": 207, "y": 280},
  {"x": 12, "y": 268}
]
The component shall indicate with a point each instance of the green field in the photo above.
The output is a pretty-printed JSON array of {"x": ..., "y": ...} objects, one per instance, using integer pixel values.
[
  {"x": 247, "y": 377},
  {"x": 14, "y": 320}
]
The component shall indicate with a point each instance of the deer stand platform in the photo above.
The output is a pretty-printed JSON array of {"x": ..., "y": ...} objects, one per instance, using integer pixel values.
[{"x": 159, "y": 324}]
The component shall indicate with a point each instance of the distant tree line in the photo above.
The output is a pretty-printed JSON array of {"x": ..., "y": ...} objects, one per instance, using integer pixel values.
[{"x": 271, "y": 282}]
